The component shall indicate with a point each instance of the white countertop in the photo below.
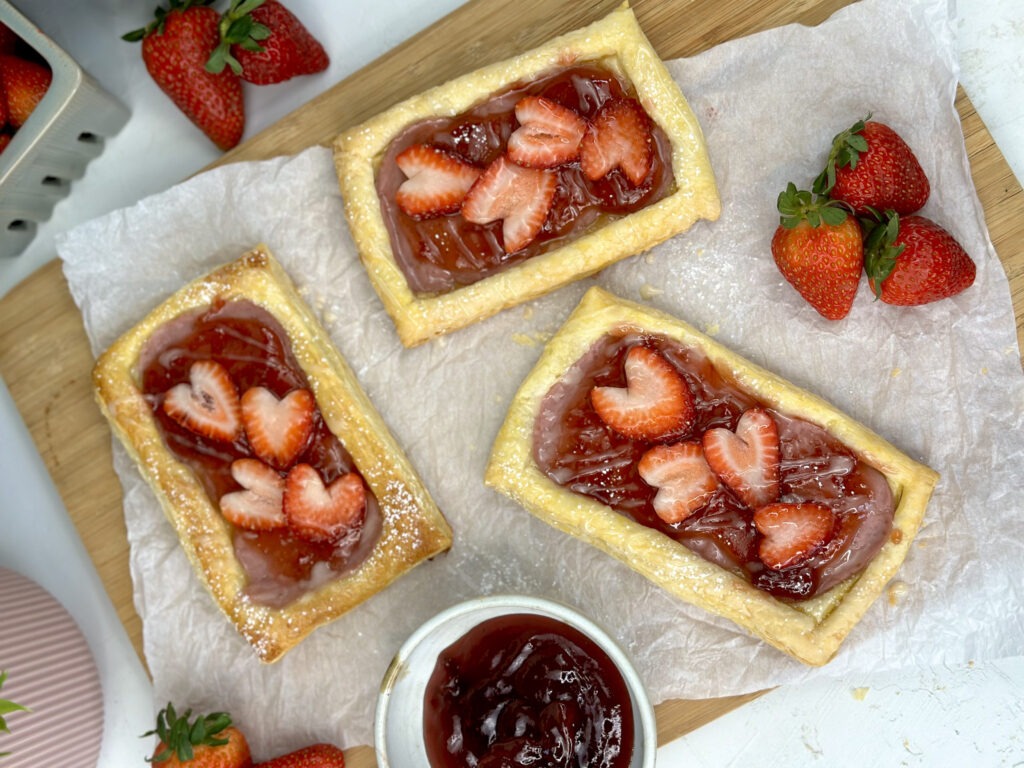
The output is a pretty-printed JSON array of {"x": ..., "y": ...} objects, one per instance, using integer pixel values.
[{"x": 970, "y": 715}]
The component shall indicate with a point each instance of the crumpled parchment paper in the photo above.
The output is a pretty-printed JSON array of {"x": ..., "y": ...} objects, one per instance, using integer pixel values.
[{"x": 943, "y": 382}]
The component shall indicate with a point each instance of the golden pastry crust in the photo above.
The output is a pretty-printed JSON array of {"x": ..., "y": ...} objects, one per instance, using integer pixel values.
[
  {"x": 413, "y": 529},
  {"x": 617, "y": 42},
  {"x": 811, "y": 631}
]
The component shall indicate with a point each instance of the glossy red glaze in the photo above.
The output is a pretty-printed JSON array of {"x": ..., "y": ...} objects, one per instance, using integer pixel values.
[
  {"x": 527, "y": 690},
  {"x": 577, "y": 450},
  {"x": 443, "y": 252},
  {"x": 255, "y": 350}
]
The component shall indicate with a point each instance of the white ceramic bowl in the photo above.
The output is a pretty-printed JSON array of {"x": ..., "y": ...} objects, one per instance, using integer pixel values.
[{"x": 398, "y": 726}]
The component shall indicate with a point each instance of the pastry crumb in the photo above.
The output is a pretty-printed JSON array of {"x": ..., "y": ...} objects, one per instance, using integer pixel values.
[
  {"x": 648, "y": 258},
  {"x": 649, "y": 291},
  {"x": 860, "y": 693},
  {"x": 896, "y": 372},
  {"x": 712, "y": 329},
  {"x": 523, "y": 340},
  {"x": 896, "y": 591},
  {"x": 537, "y": 338}
]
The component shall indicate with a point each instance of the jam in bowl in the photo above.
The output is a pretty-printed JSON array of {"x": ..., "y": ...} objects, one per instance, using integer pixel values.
[{"x": 509, "y": 681}]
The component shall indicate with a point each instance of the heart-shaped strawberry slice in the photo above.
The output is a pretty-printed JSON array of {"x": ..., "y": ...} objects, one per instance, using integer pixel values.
[
  {"x": 520, "y": 197},
  {"x": 747, "y": 460},
  {"x": 683, "y": 478},
  {"x": 792, "y": 532},
  {"x": 548, "y": 134},
  {"x": 321, "y": 512},
  {"x": 259, "y": 505},
  {"x": 655, "y": 402},
  {"x": 207, "y": 405},
  {"x": 278, "y": 430},
  {"x": 436, "y": 181},
  {"x": 619, "y": 136}
]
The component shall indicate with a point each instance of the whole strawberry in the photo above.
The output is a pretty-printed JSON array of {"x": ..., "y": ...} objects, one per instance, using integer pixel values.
[
  {"x": 23, "y": 84},
  {"x": 315, "y": 756},
  {"x": 819, "y": 250},
  {"x": 175, "y": 49},
  {"x": 912, "y": 260},
  {"x": 264, "y": 43},
  {"x": 209, "y": 741},
  {"x": 871, "y": 166}
]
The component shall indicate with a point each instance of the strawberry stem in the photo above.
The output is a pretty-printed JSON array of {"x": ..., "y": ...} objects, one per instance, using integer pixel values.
[
  {"x": 237, "y": 27},
  {"x": 180, "y": 736},
  {"x": 6, "y": 708},
  {"x": 797, "y": 205},
  {"x": 157, "y": 25},
  {"x": 880, "y": 250},
  {"x": 846, "y": 150}
]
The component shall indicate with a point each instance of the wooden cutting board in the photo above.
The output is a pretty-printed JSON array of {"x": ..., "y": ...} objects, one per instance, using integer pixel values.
[{"x": 52, "y": 389}]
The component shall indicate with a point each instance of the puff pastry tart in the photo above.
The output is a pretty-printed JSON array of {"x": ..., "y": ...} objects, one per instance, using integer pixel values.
[
  {"x": 515, "y": 179},
  {"x": 288, "y": 493},
  {"x": 719, "y": 481}
]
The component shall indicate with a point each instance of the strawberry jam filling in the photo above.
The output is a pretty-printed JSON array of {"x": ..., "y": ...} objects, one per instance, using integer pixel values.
[
  {"x": 281, "y": 562},
  {"x": 438, "y": 252},
  {"x": 817, "y": 475},
  {"x": 526, "y": 690}
]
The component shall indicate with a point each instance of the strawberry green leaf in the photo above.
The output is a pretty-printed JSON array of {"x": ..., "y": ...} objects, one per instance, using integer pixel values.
[
  {"x": 832, "y": 215},
  {"x": 180, "y": 735},
  {"x": 881, "y": 251},
  {"x": 797, "y": 205},
  {"x": 237, "y": 27},
  {"x": 160, "y": 16},
  {"x": 7, "y": 707},
  {"x": 220, "y": 58},
  {"x": 846, "y": 149}
]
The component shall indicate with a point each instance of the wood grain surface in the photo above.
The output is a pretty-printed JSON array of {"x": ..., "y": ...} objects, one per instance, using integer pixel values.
[{"x": 52, "y": 391}]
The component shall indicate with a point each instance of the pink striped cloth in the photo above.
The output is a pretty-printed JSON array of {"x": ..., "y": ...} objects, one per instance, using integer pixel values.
[{"x": 50, "y": 670}]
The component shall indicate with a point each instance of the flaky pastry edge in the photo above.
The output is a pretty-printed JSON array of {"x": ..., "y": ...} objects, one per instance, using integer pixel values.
[
  {"x": 413, "y": 528},
  {"x": 616, "y": 41},
  {"x": 812, "y": 631}
]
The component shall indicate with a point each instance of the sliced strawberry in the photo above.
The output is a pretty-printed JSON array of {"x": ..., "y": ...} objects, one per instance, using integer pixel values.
[
  {"x": 259, "y": 506},
  {"x": 318, "y": 512},
  {"x": 792, "y": 532},
  {"x": 520, "y": 196},
  {"x": 747, "y": 460},
  {"x": 278, "y": 430},
  {"x": 683, "y": 478},
  {"x": 618, "y": 136},
  {"x": 548, "y": 134},
  {"x": 436, "y": 182},
  {"x": 655, "y": 401},
  {"x": 208, "y": 405}
]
